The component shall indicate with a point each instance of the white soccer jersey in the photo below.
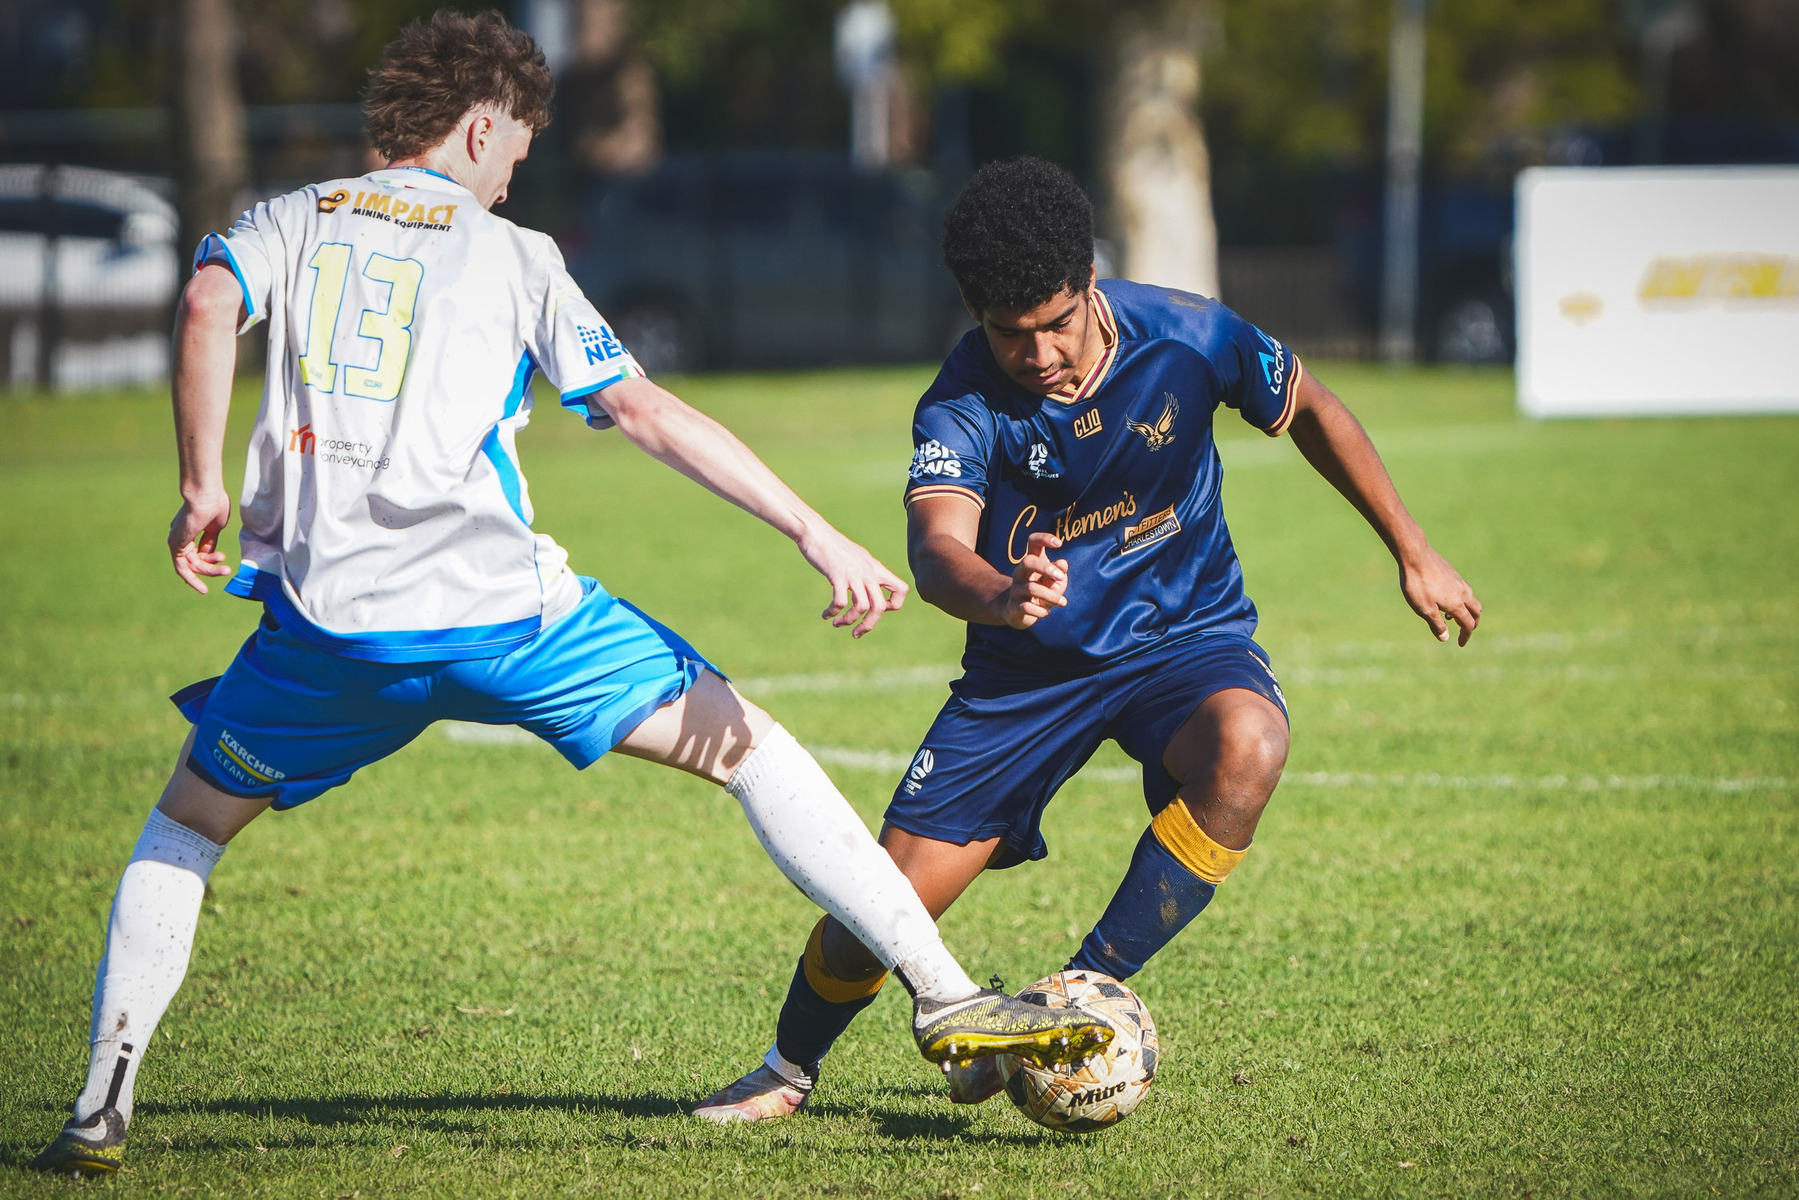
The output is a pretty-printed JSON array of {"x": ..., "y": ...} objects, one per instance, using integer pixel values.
[{"x": 384, "y": 515}]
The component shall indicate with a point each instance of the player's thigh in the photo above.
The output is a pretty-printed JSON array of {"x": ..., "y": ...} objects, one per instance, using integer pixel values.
[
  {"x": 216, "y": 816},
  {"x": 608, "y": 676},
  {"x": 707, "y": 731},
  {"x": 1235, "y": 736},
  {"x": 1184, "y": 708}
]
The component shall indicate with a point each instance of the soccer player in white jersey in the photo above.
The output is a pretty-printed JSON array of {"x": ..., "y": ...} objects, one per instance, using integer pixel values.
[{"x": 386, "y": 530}]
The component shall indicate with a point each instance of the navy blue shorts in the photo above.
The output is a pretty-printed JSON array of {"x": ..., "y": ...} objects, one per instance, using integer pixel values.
[
  {"x": 289, "y": 720},
  {"x": 1003, "y": 744}
]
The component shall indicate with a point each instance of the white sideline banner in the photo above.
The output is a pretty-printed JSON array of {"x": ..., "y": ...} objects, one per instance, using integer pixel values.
[{"x": 1658, "y": 290}]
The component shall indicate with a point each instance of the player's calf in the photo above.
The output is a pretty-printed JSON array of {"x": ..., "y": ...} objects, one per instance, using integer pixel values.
[
  {"x": 1227, "y": 759},
  {"x": 148, "y": 940}
]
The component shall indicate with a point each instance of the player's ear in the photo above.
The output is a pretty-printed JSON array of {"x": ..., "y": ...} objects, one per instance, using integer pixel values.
[{"x": 969, "y": 308}]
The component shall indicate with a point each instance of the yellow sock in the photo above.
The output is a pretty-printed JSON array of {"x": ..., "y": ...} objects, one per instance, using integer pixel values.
[
  {"x": 827, "y": 985},
  {"x": 1181, "y": 835}
]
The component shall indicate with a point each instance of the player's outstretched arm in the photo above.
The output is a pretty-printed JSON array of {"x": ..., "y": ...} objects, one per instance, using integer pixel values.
[
  {"x": 1338, "y": 448},
  {"x": 941, "y": 533},
  {"x": 675, "y": 433},
  {"x": 206, "y": 323}
]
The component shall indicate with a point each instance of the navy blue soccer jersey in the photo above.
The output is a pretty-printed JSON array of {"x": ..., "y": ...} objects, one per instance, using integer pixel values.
[{"x": 1122, "y": 468}]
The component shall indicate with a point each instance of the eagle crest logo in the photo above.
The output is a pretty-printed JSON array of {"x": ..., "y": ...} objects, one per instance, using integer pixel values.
[{"x": 1162, "y": 432}]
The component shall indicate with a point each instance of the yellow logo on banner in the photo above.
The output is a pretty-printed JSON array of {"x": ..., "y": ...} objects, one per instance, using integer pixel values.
[
  {"x": 1730, "y": 279},
  {"x": 1582, "y": 307}
]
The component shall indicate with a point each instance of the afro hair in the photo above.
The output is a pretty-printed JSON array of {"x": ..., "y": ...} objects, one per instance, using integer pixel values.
[{"x": 1020, "y": 232}]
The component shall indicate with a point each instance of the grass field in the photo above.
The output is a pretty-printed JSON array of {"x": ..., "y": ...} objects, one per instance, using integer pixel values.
[{"x": 1523, "y": 919}]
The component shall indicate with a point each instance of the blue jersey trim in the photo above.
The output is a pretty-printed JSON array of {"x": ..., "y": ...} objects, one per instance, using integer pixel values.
[
  {"x": 213, "y": 246},
  {"x": 496, "y": 453},
  {"x": 576, "y": 401},
  {"x": 504, "y": 468},
  {"x": 409, "y": 645},
  {"x": 428, "y": 171}
]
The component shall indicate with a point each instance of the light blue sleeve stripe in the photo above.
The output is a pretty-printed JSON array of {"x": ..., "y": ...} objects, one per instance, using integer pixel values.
[
  {"x": 212, "y": 248},
  {"x": 576, "y": 400}
]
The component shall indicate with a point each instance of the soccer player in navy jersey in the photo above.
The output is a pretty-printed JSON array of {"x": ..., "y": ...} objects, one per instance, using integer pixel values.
[{"x": 1064, "y": 500}]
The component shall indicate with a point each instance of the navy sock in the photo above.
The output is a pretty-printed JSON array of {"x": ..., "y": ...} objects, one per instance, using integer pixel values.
[
  {"x": 1157, "y": 899},
  {"x": 810, "y": 1024}
]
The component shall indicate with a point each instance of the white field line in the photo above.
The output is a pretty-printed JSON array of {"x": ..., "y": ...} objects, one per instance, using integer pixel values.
[
  {"x": 1541, "y": 783},
  {"x": 930, "y": 675},
  {"x": 888, "y": 761},
  {"x": 940, "y": 675},
  {"x": 891, "y": 762},
  {"x": 472, "y": 734},
  {"x": 1298, "y": 665}
]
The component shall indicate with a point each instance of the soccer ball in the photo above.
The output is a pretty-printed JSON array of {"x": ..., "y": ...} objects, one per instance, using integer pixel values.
[{"x": 1102, "y": 1091}]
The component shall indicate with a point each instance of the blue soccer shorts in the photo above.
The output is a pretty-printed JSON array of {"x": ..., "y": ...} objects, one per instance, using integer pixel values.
[
  {"x": 289, "y": 721},
  {"x": 1003, "y": 744}
]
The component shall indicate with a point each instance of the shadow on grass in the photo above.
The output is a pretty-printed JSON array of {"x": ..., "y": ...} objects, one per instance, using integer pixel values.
[
  {"x": 440, "y": 1114},
  {"x": 948, "y": 1123},
  {"x": 366, "y": 1110}
]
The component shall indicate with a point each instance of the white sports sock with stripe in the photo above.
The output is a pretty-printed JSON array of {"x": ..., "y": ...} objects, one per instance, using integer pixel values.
[
  {"x": 149, "y": 938},
  {"x": 819, "y": 842}
]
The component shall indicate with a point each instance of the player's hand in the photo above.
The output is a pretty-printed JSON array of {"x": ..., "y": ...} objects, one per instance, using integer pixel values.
[
  {"x": 194, "y": 539},
  {"x": 1436, "y": 592},
  {"x": 861, "y": 588},
  {"x": 1039, "y": 584}
]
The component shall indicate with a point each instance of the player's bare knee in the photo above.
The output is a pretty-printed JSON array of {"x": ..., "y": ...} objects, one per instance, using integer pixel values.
[
  {"x": 1252, "y": 750},
  {"x": 847, "y": 958}
]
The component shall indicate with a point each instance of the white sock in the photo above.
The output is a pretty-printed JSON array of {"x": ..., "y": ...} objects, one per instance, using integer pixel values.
[
  {"x": 148, "y": 939},
  {"x": 791, "y": 1072},
  {"x": 819, "y": 842}
]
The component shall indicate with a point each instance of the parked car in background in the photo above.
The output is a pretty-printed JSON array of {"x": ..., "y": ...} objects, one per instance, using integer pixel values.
[
  {"x": 88, "y": 262},
  {"x": 765, "y": 260}
]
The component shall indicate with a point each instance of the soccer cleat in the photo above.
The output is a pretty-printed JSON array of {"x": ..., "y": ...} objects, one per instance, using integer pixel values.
[
  {"x": 991, "y": 1022},
  {"x": 762, "y": 1095},
  {"x": 94, "y": 1147},
  {"x": 976, "y": 1081}
]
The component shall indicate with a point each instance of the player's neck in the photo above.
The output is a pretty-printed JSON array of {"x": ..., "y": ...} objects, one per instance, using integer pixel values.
[
  {"x": 1093, "y": 346},
  {"x": 433, "y": 161}
]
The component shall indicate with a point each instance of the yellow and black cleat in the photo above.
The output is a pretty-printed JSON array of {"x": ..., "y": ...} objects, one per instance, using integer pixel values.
[
  {"x": 991, "y": 1022},
  {"x": 94, "y": 1147}
]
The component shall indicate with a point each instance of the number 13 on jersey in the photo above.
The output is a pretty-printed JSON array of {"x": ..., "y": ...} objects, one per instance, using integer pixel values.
[{"x": 391, "y": 326}]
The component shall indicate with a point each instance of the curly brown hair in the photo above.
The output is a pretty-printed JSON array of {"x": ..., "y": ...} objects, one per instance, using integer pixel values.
[{"x": 436, "y": 70}]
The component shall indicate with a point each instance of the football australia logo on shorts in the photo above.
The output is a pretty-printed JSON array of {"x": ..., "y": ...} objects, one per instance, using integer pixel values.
[
  {"x": 1268, "y": 671},
  {"x": 921, "y": 767}
]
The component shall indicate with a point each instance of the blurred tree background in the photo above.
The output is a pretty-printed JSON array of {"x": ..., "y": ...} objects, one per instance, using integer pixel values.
[
  {"x": 1293, "y": 90},
  {"x": 1267, "y": 114}
]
